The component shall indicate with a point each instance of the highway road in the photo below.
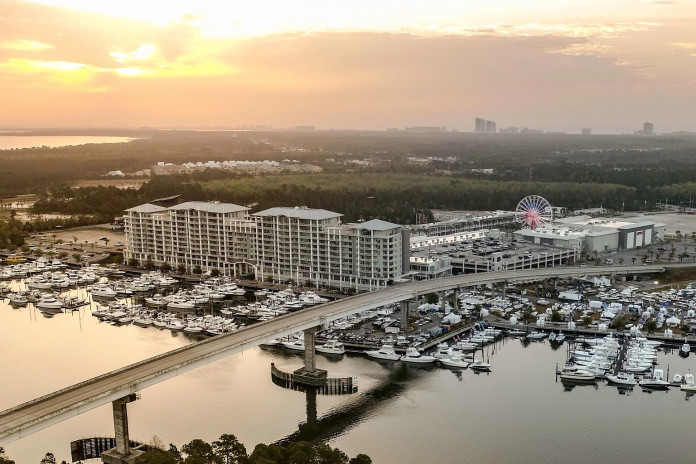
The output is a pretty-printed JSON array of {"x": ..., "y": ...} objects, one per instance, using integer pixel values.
[{"x": 42, "y": 412}]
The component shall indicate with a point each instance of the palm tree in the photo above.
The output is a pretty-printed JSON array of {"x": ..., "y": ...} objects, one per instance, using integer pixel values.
[
  {"x": 634, "y": 260},
  {"x": 679, "y": 235},
  {"x": 621, "y": 261}
]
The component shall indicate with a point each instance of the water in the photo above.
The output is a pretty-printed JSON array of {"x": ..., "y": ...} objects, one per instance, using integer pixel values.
[
  {"x": 402, "y": 414},
  {"x": 8, "y": 142}
]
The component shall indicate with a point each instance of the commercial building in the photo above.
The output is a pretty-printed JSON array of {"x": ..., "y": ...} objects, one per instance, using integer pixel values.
[
  {"x": 463, "y": 221},
  {"x": 280, "y": 244},
  {"x": 600, "y": 234}
]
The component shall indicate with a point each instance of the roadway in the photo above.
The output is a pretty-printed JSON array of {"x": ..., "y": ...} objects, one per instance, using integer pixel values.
[{"x": 55, "y": 407}]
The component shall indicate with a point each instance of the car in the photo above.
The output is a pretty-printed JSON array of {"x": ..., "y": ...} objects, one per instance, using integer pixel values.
[{"x": 118, "y": 244}]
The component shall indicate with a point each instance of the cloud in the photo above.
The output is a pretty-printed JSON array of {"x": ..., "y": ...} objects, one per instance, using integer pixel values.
[{"x": 25, "y": 45}]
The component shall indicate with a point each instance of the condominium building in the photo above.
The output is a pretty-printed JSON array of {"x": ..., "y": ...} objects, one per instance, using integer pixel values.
[
  {"x": 207, "y": 234},
  {"x": 280, "y": 244},
  {"x": 311, "y": 245}
]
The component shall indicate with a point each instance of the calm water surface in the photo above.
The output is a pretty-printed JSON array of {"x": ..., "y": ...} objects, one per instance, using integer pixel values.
[
  {"x": 30, "y": 141},
  {"x": 402, "y": 414}
]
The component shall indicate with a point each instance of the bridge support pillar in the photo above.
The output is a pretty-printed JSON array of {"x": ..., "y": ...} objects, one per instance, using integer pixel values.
[
  {"x": 404, "y": 315},
  {"x": 443, "y": 302},
  {"x": 122, "y": 454},
  {"x": 310, "y": 356}
]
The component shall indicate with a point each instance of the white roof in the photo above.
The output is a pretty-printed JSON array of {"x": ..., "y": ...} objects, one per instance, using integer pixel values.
[
  {"x": 297, "y": 212},
  {"x": 375, "y": 224},
  {"x": 146, "y": 208},
  {"x": 211, "y": 207}
]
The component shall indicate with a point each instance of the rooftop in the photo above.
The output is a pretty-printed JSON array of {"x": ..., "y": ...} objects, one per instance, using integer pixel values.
[
  {"x": 210, "y": 207},
  {"x": 375, "y": 224},
  {"x": 146, "y": 208},
  {"x": 299, "y": 213}
]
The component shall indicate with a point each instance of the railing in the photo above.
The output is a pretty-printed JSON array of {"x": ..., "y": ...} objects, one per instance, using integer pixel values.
[{"x": 327, "y": 385}]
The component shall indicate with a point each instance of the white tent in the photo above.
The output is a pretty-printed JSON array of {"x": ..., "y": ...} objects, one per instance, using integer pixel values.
[
  {"x": 451, "y": 318},
  {"x": 673, "y": 321}
]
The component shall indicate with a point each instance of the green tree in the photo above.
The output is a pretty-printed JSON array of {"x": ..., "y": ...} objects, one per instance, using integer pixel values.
[
  {"x": 76, "y": 256},
  {"x": 165, "y": 267},
  {"x": 198, "y": 451},
  {"x": 432, "y": 298},
  {"x": 619, "y": 323},
  {"x": 587, "y": 320},
  {"x": 4, "y": 459},
  {"x": 149, "y": 264},
  {"x": 215, "y": 272},
  {"x": 157, "y": 456},
  {"x": 197, "y": 270},
  {"x": 230, "y": 450},
  {"x": 556, "y": 316},
  {"x": 181, "y": 269},
  {"x": 49, "y": 459},
  {"x": 650, "y": 325},
  {"x": 361, "y": 459},
  {"x": 133, "y": 262},
  {"x": 38, "y": 252},
  {"x": 25, "y": 249}
]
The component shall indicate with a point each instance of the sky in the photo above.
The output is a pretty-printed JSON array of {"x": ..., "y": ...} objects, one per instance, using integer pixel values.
[{"x": 609, "y": 65}]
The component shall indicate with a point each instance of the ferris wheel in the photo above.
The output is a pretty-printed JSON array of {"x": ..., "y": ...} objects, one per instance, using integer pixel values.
[{"x": 533, "y": 212}]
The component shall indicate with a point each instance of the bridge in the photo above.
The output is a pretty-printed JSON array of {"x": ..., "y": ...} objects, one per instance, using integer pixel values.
[{"x": 119, "y": 386}]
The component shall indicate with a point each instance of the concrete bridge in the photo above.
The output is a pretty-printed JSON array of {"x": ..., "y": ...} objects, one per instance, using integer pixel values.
[{"x": 119, "y": 387}]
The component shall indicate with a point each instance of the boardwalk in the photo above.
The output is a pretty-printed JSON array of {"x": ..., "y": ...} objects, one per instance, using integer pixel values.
[{"x": 42, "y": 412}]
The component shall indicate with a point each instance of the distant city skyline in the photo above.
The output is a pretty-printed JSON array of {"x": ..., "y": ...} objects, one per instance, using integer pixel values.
[{"x": 357, "y": 65}]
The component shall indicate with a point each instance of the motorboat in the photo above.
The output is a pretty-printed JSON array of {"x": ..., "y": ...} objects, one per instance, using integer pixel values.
[
  {"x": 414, "y": 356},
  {"x": 296, "y": 344},
  {"x": 689, "y": 383},
  {"x": 102, "y": 291},
  {"x": 560, "y": 338},
  {"x": 18, "y": 299},
  {"x": 175, "y": 325},
  {"x": 479, "y": 365},
  {"x": 622, "y": 378},
  {"x": 536, "y": 336},
  {"x": 573, "y": 373},
  {"x": 142, "y": 321},
  {"x": 685, "y": 349},
  {"x": 331, "y": 347},
  {"x": 385, "y": 352},
  {"x": 516, "y": 333},
  {"x": 655, "y": 381},
  {"x": 48, "y": 302},
  {"x": 455, "y": 361}
]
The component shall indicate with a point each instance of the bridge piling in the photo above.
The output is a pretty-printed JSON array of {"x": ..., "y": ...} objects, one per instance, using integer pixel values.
[
  {"x": 122, "y": 454},
  {"x": 310, "y": 356}
]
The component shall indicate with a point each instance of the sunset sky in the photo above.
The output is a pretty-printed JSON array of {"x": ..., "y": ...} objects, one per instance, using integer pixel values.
[{"x": 555, "y": 65}]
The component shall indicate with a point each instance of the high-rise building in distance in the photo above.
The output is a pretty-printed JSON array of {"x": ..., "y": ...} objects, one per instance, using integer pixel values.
[
  {"x": 484, "y": 126},
  {"x": 648, "y": 129},
  {"x": 587, "y": 131}
]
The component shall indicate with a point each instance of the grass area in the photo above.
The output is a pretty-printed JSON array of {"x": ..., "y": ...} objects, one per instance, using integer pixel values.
[{"x": 680, "y": 276}]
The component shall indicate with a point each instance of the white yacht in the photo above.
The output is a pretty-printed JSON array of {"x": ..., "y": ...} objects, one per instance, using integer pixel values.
[
  {"x": 331, "y": 347},
  {"x": 385, "y": 352},
  {"x": 536, "y": 336},
  {"x": 655, "y": 381},
  {"x": 573, "y": 373},
  {"x": 414, "y": 356},
  {"x": 142, "y": 321},
  {"x": 102, "y": 291},
  {"x": 48, "y": 302},
  {"x": 689, "y": 384},
  {"x": 297, "y": 344},
  {"x": 479, "y": 365},
  {"x": 685, "y": 348},
  {"x": 622, "y": 378},
  {"x": 455, "y": 361}
]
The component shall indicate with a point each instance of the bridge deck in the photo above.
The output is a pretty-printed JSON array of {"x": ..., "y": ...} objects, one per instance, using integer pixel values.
[{"x": 42, "y": 412}]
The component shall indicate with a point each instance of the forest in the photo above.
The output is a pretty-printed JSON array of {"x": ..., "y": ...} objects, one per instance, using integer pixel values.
[{"x": 387, "y": 175}]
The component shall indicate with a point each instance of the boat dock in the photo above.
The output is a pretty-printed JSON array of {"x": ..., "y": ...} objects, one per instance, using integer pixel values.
[{"x": 674, "y": 341}]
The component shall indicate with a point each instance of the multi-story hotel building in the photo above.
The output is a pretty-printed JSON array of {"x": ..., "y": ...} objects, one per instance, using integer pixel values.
[{"x": 298, "y": 244}]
